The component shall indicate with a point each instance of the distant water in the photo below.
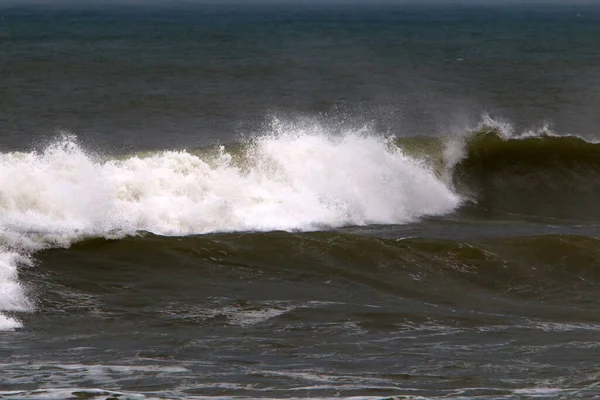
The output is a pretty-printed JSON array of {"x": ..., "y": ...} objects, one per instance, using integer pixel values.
[{"x": 216, "y": 201}]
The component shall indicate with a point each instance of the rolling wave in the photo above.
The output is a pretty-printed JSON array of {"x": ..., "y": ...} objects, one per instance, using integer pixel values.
[
  {"x": 297, "y": 178},
  {"x": 293, "y": 180},
  {"x": 545, "y": 175},
  {"x": 552, "y": 276}
]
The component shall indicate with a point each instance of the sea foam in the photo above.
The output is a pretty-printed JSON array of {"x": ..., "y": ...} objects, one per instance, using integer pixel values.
[{"x": 295, "y": 179}]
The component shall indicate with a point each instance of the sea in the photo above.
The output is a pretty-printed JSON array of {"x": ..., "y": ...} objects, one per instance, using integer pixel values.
[{"x": 299, "y": 199}]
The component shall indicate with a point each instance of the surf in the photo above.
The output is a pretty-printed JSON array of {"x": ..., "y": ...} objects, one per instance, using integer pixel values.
[{"x": 295, "y": 178}]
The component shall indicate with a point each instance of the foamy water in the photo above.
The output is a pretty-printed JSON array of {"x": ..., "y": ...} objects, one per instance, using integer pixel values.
[{"x": 299, "y": 179}]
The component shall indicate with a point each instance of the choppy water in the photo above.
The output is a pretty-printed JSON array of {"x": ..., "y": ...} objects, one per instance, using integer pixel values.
[{"x": 299, "y": 201}]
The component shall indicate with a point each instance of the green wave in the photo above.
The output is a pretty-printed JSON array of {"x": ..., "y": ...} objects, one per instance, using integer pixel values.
[
  {"x": 541, "y": 175},
  {"x": 552, "y": 269}
]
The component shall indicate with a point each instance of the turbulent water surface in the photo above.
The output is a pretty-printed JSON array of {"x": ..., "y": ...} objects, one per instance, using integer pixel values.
[{"x": 214, "y": 201}]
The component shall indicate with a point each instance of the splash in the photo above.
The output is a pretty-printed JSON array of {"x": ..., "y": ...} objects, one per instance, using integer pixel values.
[{"x": 296, "y": 179}]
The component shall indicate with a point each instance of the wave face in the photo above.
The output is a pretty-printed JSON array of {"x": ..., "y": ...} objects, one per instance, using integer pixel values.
[
  {"x": 542, "y": 174},
  {"x": 296, "y": 179},
  {"x": 556, "y": 269}
]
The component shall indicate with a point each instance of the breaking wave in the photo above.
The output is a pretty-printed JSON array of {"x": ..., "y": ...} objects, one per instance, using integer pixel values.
[
  {"x": 293, "y": 180},
  {"x": 541, "y": 175},
  {"x": 301, "y": 177}
]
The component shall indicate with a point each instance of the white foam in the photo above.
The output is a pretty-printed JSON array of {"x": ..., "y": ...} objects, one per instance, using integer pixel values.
[
  {"x": 12, "y": 295},
  {"x": 7, "y": 323},
  {"x": 295, "y": 179},
  {"x": 507, "y": 131},
  {"x": 503, "y": 127}
]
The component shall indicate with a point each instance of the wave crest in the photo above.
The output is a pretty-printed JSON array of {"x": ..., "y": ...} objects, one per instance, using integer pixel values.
[
  {"x": 541, "y": 174},
  {"x": 294, "y": 180}
]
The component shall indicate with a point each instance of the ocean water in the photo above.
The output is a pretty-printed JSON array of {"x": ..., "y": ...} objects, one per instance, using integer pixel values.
[{"x": 204, "y": 200}]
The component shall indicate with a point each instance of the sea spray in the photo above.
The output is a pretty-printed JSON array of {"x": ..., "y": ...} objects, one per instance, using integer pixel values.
[{"x": 297, "y": 179}]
